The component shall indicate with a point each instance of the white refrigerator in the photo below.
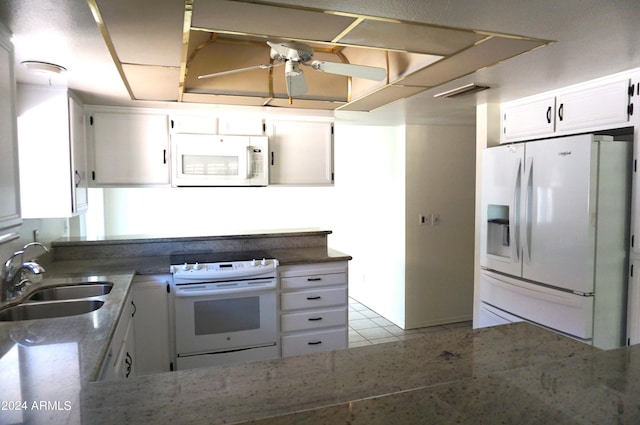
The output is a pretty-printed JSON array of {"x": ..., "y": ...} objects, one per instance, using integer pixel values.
[{"x": 554, "y": 236}]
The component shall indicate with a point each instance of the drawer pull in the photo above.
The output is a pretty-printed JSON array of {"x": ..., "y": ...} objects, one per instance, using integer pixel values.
[
  {"x": 314, "y": 343},
  {"x": 314, "y": 298},
  {"x": 314, "y": 319},
  {"x": 314, "y": 279}
]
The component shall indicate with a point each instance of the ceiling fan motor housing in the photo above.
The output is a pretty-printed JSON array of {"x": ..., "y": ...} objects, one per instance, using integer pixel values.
[{"x": 291, "y": 51}]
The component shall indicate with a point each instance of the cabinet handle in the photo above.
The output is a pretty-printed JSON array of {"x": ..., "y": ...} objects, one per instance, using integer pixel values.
[
  {"x": 77, "y": 177},
  {"x": 561, "y": 111},
  {"x": 134, "y": 308},
  {"x": 549, "y": 115},
  {"x": 272, "y": 158},
  {"x": 314, "y": 319},
  {"x": 314, "y": 342},
  {"x": 164, "y": 156},
  {"x": 314, "y": 298},
  {"x": 313, "y": 279},
  {"x": 129, "y": 362}
]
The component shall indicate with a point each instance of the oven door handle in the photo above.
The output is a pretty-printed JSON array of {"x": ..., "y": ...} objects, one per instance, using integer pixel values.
[{"x": 198, "y": 291}]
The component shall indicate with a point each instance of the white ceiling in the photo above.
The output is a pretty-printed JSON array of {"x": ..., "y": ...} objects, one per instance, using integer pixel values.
[{"x": 591, "y": 39}]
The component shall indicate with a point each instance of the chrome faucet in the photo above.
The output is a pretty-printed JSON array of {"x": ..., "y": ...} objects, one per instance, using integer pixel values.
[{"x": 13, "y": 276}]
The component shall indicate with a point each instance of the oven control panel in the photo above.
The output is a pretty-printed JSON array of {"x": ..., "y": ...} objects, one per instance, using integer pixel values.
[{"x": 225, "y": 269}]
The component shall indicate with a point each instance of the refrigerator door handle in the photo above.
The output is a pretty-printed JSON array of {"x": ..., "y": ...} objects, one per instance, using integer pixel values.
[
  {"x": 514, "y": 219},
  {"x": 528, "y": 205}
]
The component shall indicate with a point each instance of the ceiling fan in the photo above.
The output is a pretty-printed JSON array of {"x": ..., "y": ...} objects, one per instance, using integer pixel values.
[{"x": 292, "y": 54}]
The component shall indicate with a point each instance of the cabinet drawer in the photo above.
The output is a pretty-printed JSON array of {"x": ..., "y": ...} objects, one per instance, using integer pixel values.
[
  {"x": 314, "y": 342},
  {"x": 299, "y": 282},
  {"x": 313, "y": 320},
  {"x": 316, "y": 298}
]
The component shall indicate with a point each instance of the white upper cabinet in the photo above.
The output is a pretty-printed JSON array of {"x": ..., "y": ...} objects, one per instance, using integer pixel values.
[
  {"x": 51, "y": 139},
  {"x": 578, "y": 109},
  {"x": 9, "y": 186},
  {"x": 241, "y": 125},
  {"x": 193, "y": 124},
  {"x": 528, "y": 119},
  {"x": 129, "y": 148},
  {"x": 593, "y": 108},
  {"x": 301, "y": 153}
]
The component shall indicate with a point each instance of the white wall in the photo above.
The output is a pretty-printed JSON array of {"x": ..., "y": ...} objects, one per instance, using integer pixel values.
[
  {"x": 439, "y": 258},
  {"x": 48, "y": 231},
  {"x": 215, "y": 210},
  {"x": 370, "y": 170}
]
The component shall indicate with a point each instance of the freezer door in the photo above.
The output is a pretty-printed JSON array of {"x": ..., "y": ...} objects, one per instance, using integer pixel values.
[
  {"x": 501, "y": 175},
  {"x": 559, "y": 189},
  {"x": 559, "y": 310}
]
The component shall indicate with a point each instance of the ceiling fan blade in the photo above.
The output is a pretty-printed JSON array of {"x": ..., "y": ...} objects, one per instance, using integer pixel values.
[
  {"x": 358, "y": 71},
  {"x": 235, "y": 71}
]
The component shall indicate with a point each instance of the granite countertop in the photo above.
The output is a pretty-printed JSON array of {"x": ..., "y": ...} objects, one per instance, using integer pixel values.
[
  {"x": 516, "y": 373},
  {"x": 159, "y": 264},
  {"x": 49, "y": 360},
  {"x": 155, "y": 238}
]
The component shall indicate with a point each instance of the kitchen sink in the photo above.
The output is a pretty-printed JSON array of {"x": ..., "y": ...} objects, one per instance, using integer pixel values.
[
  {"x": 70, "y": 292},
  {"x": 48, "y": 309}
]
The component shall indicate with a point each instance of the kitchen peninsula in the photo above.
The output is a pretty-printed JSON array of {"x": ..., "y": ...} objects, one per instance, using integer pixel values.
[{"x": 499, "y": 374}]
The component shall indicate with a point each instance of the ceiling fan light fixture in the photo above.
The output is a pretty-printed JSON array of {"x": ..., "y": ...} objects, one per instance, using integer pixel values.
[
  {"x": 44, "y": 68},
  {"x": 465, "y": 90}
]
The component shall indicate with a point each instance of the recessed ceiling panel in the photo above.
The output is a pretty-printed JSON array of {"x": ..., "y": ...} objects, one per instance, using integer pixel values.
[
  {"x": 153, "y": 82},
  {"x": 223, "y": 100},
  {"x": 490, "y": 52},
  {"x": 305, "y": 104},
  {"x": 215, "y": 57},
  {"x": 381, "y": 97},
  {"x": 410, "y": 37},
  {"x": 223, "y": 55},
  {"x": 249, "y": 18},
  {"x": 145, "y": 31}
]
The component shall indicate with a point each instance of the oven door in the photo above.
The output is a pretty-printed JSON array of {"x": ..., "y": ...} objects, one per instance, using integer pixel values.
[{"x": 214, "y": 323}]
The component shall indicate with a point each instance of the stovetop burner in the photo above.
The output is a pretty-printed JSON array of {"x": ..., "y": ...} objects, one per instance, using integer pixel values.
[{"x": 218, "y": 257}]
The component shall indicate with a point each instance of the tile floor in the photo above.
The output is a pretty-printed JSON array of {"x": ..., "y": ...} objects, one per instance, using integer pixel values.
[{"x": 368, "y": 327}]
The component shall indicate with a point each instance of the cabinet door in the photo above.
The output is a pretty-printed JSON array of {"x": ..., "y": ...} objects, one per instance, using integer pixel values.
[
  {"x": 194, "y": 124},
  {"x": 528, "y": 120},
  {"x": 301, "y": 153},
  {"x": 130, "y": 149},
  {"x": 242, "y": 126},
  {"x": 593, "y": 108},
  {"x": 9, "y": 189},
  {"x": 151, "y": 323},
  {"x": 78, "y": 145},
  {"x": 52, "y": 144}
]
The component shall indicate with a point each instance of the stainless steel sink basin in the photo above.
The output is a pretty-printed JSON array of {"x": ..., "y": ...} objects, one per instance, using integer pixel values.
[
  {"x": 70, "y": 292},
  {"x": 49, "y": 309}
]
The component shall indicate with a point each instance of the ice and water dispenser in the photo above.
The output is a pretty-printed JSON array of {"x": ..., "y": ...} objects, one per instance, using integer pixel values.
[{"x": 498, "y": 234}]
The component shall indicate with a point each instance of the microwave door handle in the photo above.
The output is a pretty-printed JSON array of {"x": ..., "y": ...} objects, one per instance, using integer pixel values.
[{"x": 249, "y": 163}]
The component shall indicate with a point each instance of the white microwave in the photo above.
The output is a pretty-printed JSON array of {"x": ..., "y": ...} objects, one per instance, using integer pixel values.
[{"x": 212, "y": 160}]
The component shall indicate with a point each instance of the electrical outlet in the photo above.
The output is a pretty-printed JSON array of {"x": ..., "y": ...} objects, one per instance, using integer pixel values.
[{"x": 435, "y": 219}]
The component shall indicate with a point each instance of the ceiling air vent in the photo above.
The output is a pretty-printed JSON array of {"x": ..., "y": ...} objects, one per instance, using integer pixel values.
[{"x": 462, "y": 91}]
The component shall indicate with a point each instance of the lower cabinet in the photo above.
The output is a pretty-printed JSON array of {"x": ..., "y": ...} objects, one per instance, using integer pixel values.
[
  {"x": 151, "y": 323},
  {"x": 313, "y": 308},
  {"x": 120, "y": 361}
]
